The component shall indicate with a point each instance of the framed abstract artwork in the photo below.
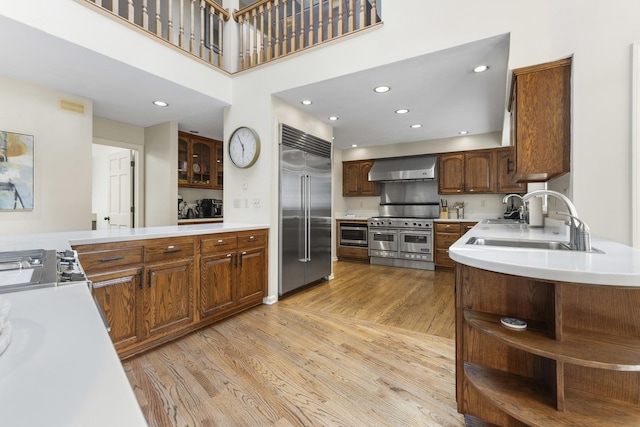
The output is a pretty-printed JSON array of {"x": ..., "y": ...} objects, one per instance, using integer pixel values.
[{"x": 16, "y": 171}]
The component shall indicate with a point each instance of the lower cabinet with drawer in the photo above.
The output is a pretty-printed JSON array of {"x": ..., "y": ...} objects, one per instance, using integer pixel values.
[
  {"x": 153, "y": 291},
  {"x": 446, "y": 235}
]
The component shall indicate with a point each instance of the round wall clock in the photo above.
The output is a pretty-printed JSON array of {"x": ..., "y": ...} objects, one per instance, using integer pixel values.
[{"x": 244, "y": 147}]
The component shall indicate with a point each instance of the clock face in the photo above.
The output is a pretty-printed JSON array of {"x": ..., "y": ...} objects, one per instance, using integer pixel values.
[{"x": 244, "y": 147}]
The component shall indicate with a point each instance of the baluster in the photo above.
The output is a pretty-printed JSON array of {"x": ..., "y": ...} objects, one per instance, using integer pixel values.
[
  {"x": 361, "y": 20},
  {"x": 320, "y": 22},
  {"x": 340, "y": 22},
  {"x": 158, "y": 20},
  {"x": 261, "y": 50},
  {"x": 254, "y": 57},
  {"x": 192, "y": 30},
  {"x": 269, "y": 44},
  {"x": 330, "y": 22},
  {"x": 220, "y": 25},
  {"x": 247, "y": 55},
  {"x": 170, "y": 23},
  {"x": 145, "y": 15},
  {"x": 285, "y": 27},
  {"x": 203, "y": 15},
  {"x": 302, "y": 31},
  {"x": 181, "y": 34},
  {"x": 130, "y": 10},
  {"x": 293, "y": 26},
  {"x": 211, "y": 43},
  {"x": 351, "y": 16},
  {"x": 276, "y": 52},
  {"x": 374, "y": 12},
  {"x": 115, "y": 7},
  {"x": 310, "y": 41},
  {"x": 99, "y": 3},
  {"x": 241, "y": 30}
]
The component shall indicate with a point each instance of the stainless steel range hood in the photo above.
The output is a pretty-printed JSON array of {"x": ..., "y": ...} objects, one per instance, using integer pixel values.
[{"x": 414, "y": 168}]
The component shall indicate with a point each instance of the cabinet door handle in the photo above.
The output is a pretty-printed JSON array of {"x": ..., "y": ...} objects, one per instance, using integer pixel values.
[
  {"x": 149, "y": 273},
  {"x": 221, "y": 243},
  {"x": 253, "y": 239},
  {"x": 113, "y": 258},
  {"x": 141, "y": 285},
  {"x": 171, "y": 251},
  {"x": 242, "y": 256},
  {"x": 509, "y": 170}
]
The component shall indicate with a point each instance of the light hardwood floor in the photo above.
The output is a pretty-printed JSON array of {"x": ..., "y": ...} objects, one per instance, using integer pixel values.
[{"x": 373, "y": 347}]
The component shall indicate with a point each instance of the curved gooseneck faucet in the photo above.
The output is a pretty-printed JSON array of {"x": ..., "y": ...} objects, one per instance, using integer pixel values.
[{"x": 580, "y": 236}]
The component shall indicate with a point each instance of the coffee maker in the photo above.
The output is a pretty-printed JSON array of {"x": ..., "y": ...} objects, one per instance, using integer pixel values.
[{"x": 211, "y": 208}]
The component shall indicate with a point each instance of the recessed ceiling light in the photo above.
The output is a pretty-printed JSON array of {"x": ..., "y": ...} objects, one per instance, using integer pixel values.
[
  {"x": 333, "y": 118},
  {"x": 306, "y": 102},
  {"x": 416, "y": 126},
  {"x": 160, "y": 103},
  {"x": 481, "y": 69},
  {"x": 402, "y": 111},
  {"x": 382, "y": 89},
  {"x": 463, "y": 132},
  {"x": 354, "y": 145}
]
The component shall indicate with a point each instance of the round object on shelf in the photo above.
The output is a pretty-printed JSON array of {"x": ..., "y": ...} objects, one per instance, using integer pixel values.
[
  {"x": 513, "y": 323},
  {"x": 196, "y": 168}
]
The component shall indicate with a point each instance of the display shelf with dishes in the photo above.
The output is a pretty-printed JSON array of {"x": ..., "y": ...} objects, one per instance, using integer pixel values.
[{"x": 199, "y": 162}]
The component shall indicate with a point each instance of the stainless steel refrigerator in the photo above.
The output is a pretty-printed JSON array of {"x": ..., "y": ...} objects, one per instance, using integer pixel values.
[{"x": 305, "y": 209}]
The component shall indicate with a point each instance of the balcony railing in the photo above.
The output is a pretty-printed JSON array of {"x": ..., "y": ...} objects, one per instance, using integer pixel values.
[
  {"x": 267, "y": 29},
  {"x": 195, "y": 26},
  {"x": 271, "y": 29}
]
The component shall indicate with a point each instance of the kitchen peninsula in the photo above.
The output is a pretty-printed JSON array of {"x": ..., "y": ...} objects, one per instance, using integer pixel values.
[
  {"x": 577, "y": 362},
  {"x": 61, "y": 367}
]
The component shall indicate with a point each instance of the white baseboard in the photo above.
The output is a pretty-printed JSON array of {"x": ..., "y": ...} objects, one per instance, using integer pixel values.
[{"x": 271, "y": 299}]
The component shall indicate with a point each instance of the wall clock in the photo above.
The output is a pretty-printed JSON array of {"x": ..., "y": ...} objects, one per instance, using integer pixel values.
[{"x": 244, "y": 147}]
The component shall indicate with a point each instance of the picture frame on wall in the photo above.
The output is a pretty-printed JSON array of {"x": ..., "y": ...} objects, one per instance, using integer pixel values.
[{"x": 16, "y": 171}]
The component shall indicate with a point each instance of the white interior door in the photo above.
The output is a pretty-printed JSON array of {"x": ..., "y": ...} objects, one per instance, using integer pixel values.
[{"x": 120, "y": 190}]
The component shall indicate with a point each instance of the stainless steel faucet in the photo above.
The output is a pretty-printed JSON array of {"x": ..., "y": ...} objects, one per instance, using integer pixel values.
[
  {"x": 579, "y": 234},
  {"x": 523, "y": 213}
]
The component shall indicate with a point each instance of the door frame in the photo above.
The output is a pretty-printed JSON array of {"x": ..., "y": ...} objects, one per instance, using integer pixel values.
[
  {"x": 138, "y": 176},
  {"x": 635, "y": 149}
]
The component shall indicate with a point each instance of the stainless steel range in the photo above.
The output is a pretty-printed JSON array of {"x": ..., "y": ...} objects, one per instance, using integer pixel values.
[
  {"x": 402, "y": 234},
  {"x": 401, "y": 242}
]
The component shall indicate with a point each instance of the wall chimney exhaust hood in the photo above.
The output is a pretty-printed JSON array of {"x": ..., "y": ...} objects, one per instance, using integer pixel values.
[{"x": 414, "y": 168}]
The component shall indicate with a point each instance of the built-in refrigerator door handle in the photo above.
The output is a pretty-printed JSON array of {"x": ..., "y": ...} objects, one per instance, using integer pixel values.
[
  {"x": 308, "y": 217},
  {"x": 304, "y": 200}
]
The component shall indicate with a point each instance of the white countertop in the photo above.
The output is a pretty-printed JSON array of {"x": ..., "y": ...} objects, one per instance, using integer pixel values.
[
  {"x": 64, "y": 240},
  {"x": 619, "y": 265},
  {"x": 61, "y": 369}
]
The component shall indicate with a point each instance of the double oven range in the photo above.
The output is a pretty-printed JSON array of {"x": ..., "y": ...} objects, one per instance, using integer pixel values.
[{"x": 401, "y": 242}]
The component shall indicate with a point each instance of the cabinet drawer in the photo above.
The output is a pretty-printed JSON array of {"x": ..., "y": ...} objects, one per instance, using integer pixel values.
[
  {"x": 442, "y": 258},
  {"x": 448, "y": 227},
  {"x": 444, "y": 240},
  {"x": 94, "y": 260},
  {"x": 253, "y": 239},
  {"x": 353, "y": 252},
  {"x": 169, "y": 249},
  {"x": 216, "y": 243}
]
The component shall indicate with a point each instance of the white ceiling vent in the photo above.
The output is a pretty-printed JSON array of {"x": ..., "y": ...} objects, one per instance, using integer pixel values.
[{"x": 68, "y": 105}]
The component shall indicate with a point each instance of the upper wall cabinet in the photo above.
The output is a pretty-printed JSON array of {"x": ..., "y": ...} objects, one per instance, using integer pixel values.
[
  {"x": 467, "y": 172},
  {"x": 506, "y": 172},
  {"x": 355, "y": 179},
  {"x": 200, "y": 162},
  {"x": 540, "y": 107}
]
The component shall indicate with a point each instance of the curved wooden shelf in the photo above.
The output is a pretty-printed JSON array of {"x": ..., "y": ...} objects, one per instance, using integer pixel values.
[
  {"x": 577, "y": 347},
  {"x": 528, "y": 401}
]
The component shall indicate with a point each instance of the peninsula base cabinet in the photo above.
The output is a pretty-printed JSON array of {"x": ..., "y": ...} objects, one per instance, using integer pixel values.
[
  {"x": 151, "y": 291},
  {"x": 576, "y": 364}
]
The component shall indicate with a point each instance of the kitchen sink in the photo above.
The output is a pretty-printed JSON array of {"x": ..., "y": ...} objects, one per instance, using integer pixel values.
[{"x": 524, "y": 244}]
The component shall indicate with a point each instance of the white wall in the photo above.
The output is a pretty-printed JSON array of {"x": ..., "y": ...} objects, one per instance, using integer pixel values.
[
  {"x": 62, "y": 157},
  {"x": 161, "y": 174}
]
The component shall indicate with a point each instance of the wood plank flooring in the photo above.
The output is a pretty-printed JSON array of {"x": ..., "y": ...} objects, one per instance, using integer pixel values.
[{"x": 373, "y": 347}]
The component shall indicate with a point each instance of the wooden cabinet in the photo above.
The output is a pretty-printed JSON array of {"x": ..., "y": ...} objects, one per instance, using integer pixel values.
[
  {"x": 467, "y": 172},
  {"x": 506, "y": 173},
  {"x": 200, "y": 162},
  {"x": 540, "y": 107},
  {"x": 355, "y": 179},
  {"x": 168, "y": 295},
  {"x": 446, "y": 235},
  {"x": 233, "y": 272},
  {"x": 575, "y": 364}
]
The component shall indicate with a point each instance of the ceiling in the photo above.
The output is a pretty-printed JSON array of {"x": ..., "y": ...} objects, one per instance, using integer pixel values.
[{"x": 440, "y": 90}]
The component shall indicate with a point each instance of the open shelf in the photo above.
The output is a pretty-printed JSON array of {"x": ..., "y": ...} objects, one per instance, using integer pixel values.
[
  {"x": 529, "y": 402},
  {"x": 582, "y": 348}
]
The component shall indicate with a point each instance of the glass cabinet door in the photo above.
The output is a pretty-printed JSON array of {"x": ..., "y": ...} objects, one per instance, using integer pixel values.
[
  {"x": 183, "y": 161},
  {"x": 219, "y": 165},
  {"x": 201, "y": 168}
]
